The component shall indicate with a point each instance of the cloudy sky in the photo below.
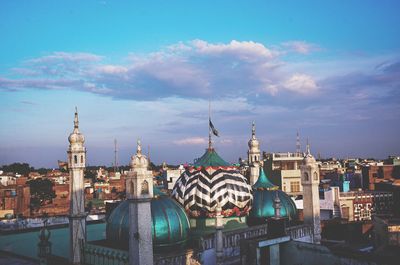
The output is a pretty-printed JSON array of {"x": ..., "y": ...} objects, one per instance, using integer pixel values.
[{"x": 147, "y": 70}]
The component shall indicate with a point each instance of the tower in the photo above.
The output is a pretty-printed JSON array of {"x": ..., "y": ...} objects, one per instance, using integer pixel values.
[
  {"x": 253, "y": 156},
  {"x": 310, "y": 181},
  {"x": 139, "y": 192},
  {"x": 77, "y": 216}
]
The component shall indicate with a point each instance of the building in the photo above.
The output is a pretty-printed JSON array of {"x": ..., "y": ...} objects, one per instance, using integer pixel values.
[
  {"x": 373, "y": 174},
  {"x": 169, "y": 176},
  {"x": 362, "y": 205},
  {"x": 284, "y": 169},
  {"x": 15, "y": 198}
]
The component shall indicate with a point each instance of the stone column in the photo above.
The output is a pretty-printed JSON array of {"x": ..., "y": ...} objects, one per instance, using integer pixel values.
[{"x": 219, "y": 237}]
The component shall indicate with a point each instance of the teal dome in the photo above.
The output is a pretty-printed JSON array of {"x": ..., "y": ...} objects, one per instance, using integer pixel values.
[
  {"x": 170, "y": 226},
  {"x": 264, "y": 193}
]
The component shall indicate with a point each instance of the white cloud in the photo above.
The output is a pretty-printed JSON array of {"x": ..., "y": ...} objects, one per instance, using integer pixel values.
[
  {"x": 191, "y": 141},
  {"x": 247, "y": 50},
  {"x": 194, "y": 69},
  {"x": 300, "y": 46},
  {"x": 67, "y": 57},
  {"x": 301, "y": 83},
  {"x": 111, "y": 69}
]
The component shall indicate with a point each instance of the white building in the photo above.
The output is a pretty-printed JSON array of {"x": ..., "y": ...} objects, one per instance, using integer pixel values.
[{"x": 284, "y": 170}]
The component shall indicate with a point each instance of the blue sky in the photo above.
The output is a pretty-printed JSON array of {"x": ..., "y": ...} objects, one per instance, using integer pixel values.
[{"x": 328, "y": 69}]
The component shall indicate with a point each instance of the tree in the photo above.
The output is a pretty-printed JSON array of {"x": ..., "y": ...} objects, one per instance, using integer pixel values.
[
  {"x": 20, "y": 168},
  {"x": 41, "y": 192},
  {"x": 89, "y": 174}
]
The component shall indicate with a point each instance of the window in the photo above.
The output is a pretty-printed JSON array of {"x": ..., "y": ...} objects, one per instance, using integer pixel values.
[
  {"x": 306, "y": 178},
  {"x": 315, "y": 176},
  {"x": 132, "y": 188},
  {"x": 81, "y": 159},
  {"x": 145, "y": 187},
  {"x": 75, "y": 159},
  {"x": 295, "y": 186}
]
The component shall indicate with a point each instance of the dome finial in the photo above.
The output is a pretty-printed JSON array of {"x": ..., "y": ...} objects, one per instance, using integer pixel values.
[
  {"x": 277, "y": 205},
  {"x": 139, "y": 147},
  {"x": 76, "y": 120},
  {"x": 253, "y": 130},
  {"x": 308, "y": 152}
]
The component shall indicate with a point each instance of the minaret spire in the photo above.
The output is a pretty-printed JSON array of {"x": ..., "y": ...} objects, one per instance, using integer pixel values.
[
  {"x": 139, "y": 147},
  {"x": 76, "y": 120},
  {"x": 253, "y": 130},
  {"x": 308, "y": 152}
]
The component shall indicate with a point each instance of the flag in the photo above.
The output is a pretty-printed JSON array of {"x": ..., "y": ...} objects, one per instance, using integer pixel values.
[{"x": 214, "y": 131}]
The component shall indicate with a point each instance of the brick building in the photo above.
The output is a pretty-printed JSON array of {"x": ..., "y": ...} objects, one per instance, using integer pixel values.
[
  {"x": 372, "y": 174},
  {"x": 16, "y": 198}
]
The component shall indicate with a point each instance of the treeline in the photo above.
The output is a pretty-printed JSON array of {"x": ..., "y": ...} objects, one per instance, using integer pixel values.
[{"x": 22, "y": 168}]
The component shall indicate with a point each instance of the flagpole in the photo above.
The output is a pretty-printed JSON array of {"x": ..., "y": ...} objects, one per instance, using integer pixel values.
[{"x": 209, "y": 128}]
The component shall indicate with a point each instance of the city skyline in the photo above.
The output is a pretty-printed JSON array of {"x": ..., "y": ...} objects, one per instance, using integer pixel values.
[{"x": 330, "y": 71}]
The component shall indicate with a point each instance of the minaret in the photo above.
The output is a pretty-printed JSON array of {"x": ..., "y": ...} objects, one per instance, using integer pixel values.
[
  {"x": 310, "y": 181},
  {"x": 253, "y": 156},
  {"x": 77, "y": 216},
  {"x": 139, "y": 192}
]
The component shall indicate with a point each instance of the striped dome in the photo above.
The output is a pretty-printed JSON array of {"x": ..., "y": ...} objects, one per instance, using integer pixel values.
[
  {"x": 212, "y": 181},
  {"x": 264, "y": 195},
  {"x": 170, "y": 224}
]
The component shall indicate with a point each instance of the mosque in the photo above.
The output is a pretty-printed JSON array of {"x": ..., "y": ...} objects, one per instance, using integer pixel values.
[{"x": 214, "y": 214}]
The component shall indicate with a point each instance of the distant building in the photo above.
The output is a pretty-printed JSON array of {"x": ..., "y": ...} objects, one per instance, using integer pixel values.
[
  {"x": 361, "y": 205},
  {"x": 170, "y": 176},
  {"x": 284, "y": 169},
  {"x": 372, "y": 174},
  {"x": 15, "y": 199}
]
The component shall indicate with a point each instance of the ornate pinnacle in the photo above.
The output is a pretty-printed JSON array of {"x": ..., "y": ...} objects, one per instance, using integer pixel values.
[
  {"x": 308, "y": 152},
  {"x": 76, "y": 121},
  {"x": 139, "y": 147}
]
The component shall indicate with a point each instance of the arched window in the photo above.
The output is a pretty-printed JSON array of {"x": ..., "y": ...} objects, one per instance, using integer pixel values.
[
  {"x": 145, "y": 187},
  {"x": 306, "y": 178},
  {"x": 81, "y": 159},
  {"x": 315, "y": 176},
  {"x": 132, "y": 188},
  {"x": 75, "y": 159}
]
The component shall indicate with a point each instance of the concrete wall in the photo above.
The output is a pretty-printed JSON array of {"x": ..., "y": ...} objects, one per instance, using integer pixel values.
[{"x": 300, "y": 253}]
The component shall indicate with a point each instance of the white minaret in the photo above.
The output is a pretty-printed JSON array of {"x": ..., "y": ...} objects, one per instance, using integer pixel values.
[
  {"x": 139, "y": 192},
  {"x": 253, "y": 156},
  {"x": 77, "y": 216},
  {"x": 310, "y": 181}
]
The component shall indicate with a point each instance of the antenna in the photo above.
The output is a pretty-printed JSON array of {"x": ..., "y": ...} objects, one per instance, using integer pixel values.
[
  {"x": 115, "y": 156},
  {"x": 298, "y": 146},
  {"x": 209, "y": 125}
]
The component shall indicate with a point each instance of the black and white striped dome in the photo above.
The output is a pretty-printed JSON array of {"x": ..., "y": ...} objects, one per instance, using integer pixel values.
[{"x": 212, "y": 181}]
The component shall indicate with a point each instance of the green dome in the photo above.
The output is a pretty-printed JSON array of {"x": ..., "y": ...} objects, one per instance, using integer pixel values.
[
  {"x": 170, "y": 224},
  {"x": 264, "y": 193},
  {"x": 210, "y": 159}
]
